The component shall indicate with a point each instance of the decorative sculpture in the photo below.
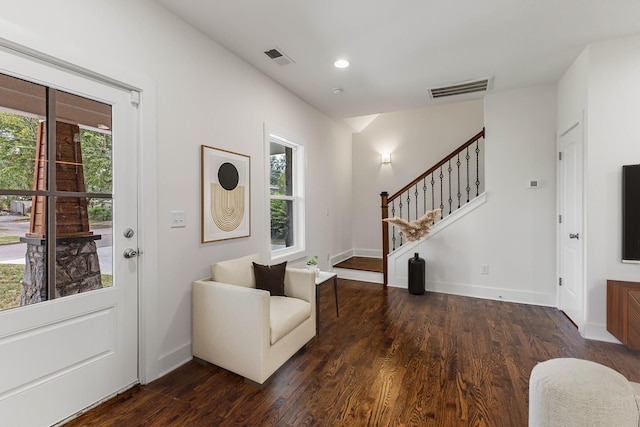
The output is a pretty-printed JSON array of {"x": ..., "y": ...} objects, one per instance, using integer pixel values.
[{"x": 417, "y": 229}]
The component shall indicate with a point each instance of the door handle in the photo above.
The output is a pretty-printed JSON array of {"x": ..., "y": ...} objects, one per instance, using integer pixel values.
[
  {"x": 574, "y": 236},
  {"x": 130, "y": 253}
]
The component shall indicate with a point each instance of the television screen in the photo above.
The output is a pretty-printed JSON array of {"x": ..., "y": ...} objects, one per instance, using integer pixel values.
[{"x": 631, "y": 213}]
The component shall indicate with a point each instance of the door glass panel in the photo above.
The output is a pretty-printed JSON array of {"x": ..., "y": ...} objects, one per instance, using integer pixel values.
[
  {"x": 22, "y": 108},
  {"x": 101, "y": 223},
  {"x": 83, "y": 165},
  {"x": 82, "y": 223}
]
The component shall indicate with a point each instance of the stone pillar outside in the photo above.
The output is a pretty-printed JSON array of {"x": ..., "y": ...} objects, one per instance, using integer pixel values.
[{"x": 77, "y": 268}]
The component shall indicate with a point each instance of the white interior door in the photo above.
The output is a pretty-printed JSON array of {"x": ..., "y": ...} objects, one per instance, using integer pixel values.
[
  {"x": 67, "y": 353},
  {"x": 571, "y": 236}
]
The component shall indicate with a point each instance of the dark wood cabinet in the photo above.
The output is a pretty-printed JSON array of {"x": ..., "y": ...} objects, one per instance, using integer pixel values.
[{"x": 623, "y": 312}]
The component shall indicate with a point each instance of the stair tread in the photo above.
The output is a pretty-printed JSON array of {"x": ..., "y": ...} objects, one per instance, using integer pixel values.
[{"x": 362, "y": 263}]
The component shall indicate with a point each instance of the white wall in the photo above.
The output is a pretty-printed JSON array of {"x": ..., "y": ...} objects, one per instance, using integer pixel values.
[
  {"x": 613, "y": 140},
  {"x": 513, "y": 232},
  {"x": 572, "y": 93},
  {"x": 205, "y": 95},
  {"x": 520, "y": 223},
  {"x": 417, "y": 139},
  {"x": 602, "y": 85}
]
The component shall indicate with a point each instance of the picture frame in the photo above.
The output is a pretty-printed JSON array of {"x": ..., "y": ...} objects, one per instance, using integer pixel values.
[{"x": 225, "y": 194}]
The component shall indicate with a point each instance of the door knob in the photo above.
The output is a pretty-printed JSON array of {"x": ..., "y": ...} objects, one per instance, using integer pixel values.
[
  {"x": 574, "y": 236},
  {"x": 130, "y": 253}
]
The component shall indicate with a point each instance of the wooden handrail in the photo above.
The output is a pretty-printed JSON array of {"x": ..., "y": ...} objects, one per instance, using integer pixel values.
[
  {"x": 385, "y": 199},
  {"x": 437, "y": 165}
]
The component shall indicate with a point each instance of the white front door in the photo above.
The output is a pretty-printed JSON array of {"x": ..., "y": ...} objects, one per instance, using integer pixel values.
[
  {"x": 570, "y": 230},
  {"x": 77, "y": 346}
]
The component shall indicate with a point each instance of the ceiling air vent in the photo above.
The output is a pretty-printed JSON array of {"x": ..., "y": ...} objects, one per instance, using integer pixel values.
[
  {"x": 461, "y": 88},
  {"x": 279, "y": 57}
]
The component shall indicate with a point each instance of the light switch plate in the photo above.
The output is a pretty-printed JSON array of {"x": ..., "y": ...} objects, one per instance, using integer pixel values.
[{"x": 178, "y": 219}]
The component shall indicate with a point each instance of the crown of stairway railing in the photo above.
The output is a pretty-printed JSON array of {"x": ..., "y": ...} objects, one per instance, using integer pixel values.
[{"x": 449, "y": 184}]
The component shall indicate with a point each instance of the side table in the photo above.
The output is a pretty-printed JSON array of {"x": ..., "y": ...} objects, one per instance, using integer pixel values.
[{"x": 321, "y": 278}]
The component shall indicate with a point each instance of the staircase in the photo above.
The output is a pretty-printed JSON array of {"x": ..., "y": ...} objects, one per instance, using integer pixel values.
[
  {"x": 364, "y": 269},
  {"x": 455, "y": 185}
]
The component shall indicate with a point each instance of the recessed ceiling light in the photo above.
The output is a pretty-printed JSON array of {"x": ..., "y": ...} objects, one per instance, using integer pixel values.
[
  {"x": 337, "y": 90},
  {"x": 103, "y": 126},
  {"x": 341, "y": 63}
]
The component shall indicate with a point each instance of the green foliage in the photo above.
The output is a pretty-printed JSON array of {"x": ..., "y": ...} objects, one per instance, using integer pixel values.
[
  {"x": 10, "y": 285},
  {"x": 17, "y": 151},
  {"x": 279, "y": 220},
  {"x": 96, "y": 157},
  {"x": 278, "y": 164},
  {"x": 99, "y": 213},
  {"x": 107, "y": 280},
  {"x": 9, "y": 239}
]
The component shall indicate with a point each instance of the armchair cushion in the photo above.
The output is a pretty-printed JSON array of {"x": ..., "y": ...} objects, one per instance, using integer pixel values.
[
  {"x": 285, "y": 315},
  {"x": 270, "y": 278},
  {"x": 236, "y": 271}
]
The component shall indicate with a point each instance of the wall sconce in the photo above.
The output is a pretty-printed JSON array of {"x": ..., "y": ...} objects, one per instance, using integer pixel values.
[{"x": 385, "y": 158}]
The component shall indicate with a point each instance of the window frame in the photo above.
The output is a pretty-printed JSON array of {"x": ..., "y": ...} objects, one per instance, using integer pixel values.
[{"x": 296, "y": 250}]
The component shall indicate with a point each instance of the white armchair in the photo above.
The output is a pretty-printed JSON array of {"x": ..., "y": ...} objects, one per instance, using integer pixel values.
[{"x": 244, "y": 329}]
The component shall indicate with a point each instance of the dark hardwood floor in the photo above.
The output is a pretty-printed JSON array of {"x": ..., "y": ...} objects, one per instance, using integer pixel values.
[{"x": 390, "y": 359}]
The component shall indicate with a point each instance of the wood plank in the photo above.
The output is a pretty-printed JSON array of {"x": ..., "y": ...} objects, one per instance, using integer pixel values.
[
  {"x": 362, "y": 263},
  {"x": 391, "y": 358},
  {"x": 633, "y": 312}
]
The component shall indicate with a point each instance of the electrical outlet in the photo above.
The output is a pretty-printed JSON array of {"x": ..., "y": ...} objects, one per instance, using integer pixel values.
[{"x": 484, "y": 269}]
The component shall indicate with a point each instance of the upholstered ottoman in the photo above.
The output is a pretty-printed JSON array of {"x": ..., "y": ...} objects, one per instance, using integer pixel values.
[{"x": 580, "y": 393}]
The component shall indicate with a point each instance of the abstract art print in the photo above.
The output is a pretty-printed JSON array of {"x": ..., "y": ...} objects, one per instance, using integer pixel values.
[{"x": 226, "y": 212}]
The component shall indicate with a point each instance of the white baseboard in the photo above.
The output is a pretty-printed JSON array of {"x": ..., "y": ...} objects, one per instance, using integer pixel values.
[
  {"x": 343, "y": 256},
  {"x": 593, "y": 331},
  {"x": 368, "y": 253},
  {"x": 485, "y": 292},
  {"x": 174, "y": 359}
]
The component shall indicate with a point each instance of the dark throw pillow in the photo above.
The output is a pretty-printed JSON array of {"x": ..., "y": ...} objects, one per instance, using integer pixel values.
[{"x": 270, "y": 278}]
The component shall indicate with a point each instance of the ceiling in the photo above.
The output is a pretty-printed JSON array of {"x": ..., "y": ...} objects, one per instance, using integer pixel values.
[{"x": 399, "y": 48}]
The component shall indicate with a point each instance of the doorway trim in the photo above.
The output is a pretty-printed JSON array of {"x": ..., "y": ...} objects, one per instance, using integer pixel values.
[
  {"x": 579, "y": 123},
  {"x": 26, "y": 43}
]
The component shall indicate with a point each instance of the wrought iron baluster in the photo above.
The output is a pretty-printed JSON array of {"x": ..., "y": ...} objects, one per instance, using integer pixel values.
[
  {"x": 468, "y": 157},
  {"x": 408, "y": 206},
  {"x": 400, "y": 206},
  {"x": 393, "y": 227},
  {"x": 477, "y": 167},
  {"x": 459, "y": 194},
  {"x": 416, "y": 195},
  {"x": 450, "y": 200},
  {"x": 433, "y": 192},
  {"x": 441, "y": 195},
  {"x": 424, "y": 191}
]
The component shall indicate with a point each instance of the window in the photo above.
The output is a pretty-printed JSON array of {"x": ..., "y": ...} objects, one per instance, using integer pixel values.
[{"x": 286, "y": 201}]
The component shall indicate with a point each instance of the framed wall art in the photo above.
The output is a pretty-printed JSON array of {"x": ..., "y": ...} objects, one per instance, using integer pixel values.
[{"x": 226, "y": 194}]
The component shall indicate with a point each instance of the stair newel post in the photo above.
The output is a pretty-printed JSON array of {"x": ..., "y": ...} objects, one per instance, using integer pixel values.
[{"x": 385, "y": 233}]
